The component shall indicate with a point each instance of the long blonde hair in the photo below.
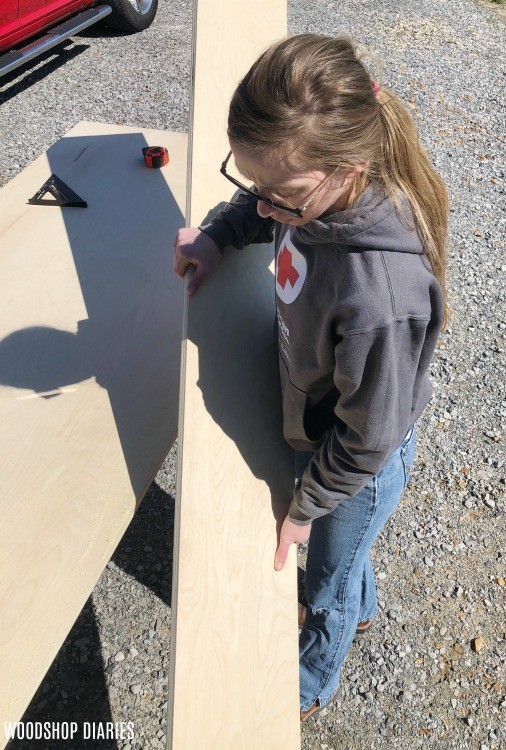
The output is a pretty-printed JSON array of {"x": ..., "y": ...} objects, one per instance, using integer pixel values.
[{"x": 312, "y": 94}]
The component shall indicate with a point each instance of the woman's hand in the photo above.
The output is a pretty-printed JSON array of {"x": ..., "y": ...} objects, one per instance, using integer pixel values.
[
  {"x": 196, "y": 248},
  {"x": 291, "y": 533}
]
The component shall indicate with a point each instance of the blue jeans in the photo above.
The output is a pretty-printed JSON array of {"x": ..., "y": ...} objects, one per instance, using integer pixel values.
[{"x": 339, "y": 578}]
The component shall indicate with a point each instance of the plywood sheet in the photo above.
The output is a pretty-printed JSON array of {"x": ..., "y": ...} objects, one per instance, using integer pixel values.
[
  {"x": 234, "y": 681},
  {"x": 228, "y": 37},
  {"x": 90, "y": 331}
]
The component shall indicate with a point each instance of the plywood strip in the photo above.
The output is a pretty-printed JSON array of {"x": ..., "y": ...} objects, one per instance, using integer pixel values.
[
  {"x": 234, "y": 646},
  {"x": 90, "y": 332}
]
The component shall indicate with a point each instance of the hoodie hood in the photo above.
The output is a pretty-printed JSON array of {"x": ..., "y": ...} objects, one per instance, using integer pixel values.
[{"x": 372, "y": 223}]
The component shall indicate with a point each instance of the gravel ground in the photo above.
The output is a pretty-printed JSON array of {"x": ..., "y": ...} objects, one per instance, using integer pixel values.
[{"x": 432, "y": 672}]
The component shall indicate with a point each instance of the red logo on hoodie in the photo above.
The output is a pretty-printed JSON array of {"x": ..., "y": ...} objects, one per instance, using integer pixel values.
[{"x": 286, "y": 270}]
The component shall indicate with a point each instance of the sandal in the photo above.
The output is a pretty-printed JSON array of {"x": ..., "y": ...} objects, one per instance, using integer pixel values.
[
  {"x": 315, "y": 708},
  {"x": 362, "y": 628}
]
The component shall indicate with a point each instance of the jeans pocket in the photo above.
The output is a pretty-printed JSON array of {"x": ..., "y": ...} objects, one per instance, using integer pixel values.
[{"x": 407, "y": 451}]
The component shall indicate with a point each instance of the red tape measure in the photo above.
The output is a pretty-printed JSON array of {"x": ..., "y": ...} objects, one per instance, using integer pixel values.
[{"x": 155, "y": 156}]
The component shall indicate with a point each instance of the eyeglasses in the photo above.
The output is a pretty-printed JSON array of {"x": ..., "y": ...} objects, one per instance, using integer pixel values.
[{"x": 294, "y": 211}]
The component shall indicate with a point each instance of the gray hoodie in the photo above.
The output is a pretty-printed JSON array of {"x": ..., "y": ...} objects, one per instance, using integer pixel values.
[{"x": 358, "y": 315}]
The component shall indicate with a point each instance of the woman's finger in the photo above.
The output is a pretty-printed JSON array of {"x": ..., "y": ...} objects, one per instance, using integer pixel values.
[
  {"x": 197, "y": 279},
  {"x": 281, "y": 554},
  {"x": 181, "y": 262}
]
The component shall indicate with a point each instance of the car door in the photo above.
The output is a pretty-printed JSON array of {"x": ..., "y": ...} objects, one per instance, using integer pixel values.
[
  {"x": 8, "y": 18},
  {"x": 35, "y": 14}
]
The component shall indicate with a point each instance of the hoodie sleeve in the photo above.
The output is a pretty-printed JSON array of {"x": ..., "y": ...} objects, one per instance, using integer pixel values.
[
  {"x": 239, "y": 224},
  {"x": 375, "y": 376}
]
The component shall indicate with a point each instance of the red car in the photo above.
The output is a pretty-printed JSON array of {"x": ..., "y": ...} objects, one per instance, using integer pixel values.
[{"x": 20, "y": 20}]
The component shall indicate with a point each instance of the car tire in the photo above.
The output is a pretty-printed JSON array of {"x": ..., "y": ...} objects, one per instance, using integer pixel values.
[{"x": 131, "y": 15}]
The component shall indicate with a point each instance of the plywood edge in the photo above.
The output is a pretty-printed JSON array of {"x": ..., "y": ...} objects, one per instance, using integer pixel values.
[
  {"x": 177, "y": 515},
  {"x": 189, "y": 164},
  {"x": 182, "y": 394},
  {"x": 84, "y": 125}
]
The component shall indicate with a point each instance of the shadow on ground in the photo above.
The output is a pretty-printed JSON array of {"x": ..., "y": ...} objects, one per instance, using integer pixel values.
[{"x": 22, "y": 78}]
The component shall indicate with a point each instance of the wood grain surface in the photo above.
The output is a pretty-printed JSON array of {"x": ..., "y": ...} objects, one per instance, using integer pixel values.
[
  {"x": 234, "y": 681},
  {"x": 90, "y": 332}
]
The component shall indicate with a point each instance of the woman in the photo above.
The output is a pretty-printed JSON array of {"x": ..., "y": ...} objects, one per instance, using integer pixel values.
[{"x": 359, "y": 219}]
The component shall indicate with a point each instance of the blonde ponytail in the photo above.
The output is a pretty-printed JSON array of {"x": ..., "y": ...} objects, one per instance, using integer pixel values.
[
  {"x": 405, "y": 165},
  {"x": 313, "y": 93}
]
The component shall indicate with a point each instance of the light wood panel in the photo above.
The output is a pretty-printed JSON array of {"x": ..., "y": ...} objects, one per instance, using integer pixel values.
[
  {"x": 228, "y": 36},
  {"x": 234, "y": 681},
  {"x": 90, "y": 332}
]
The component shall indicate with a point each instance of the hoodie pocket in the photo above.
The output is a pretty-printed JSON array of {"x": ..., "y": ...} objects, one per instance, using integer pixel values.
[{"x": 294, "y": 409}]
